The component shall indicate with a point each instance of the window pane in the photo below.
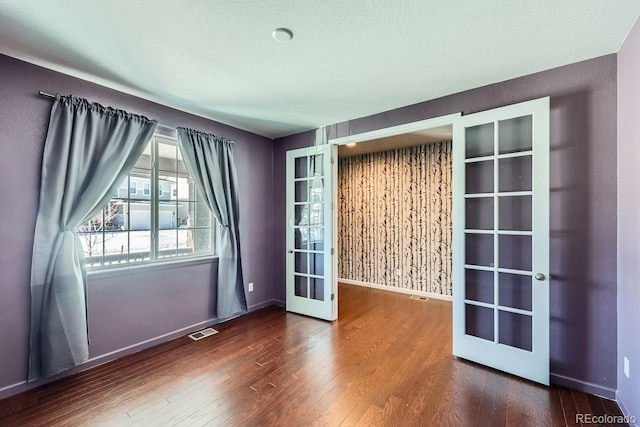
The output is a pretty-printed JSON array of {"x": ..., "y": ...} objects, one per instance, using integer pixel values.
[
  {"x": 199, "y": 240},
  {"x": 167, "y": 243},
  {"x": 515, "y": 134},
  {"x": 479, "y": 213},
  {"x": 202, "y": 215},
  {"x": 479, "y": 177},
  {"x": 479, "y": 249},
  {"x": 122, "y": 233},
  {"x": 167, "y": 157},
  {"x": 116, "y": 247},
  {"x": 167, "y": 216},
  {"x": 515, "y": 252},
  {"x": 516, "y": 213},
  {"x": 300, "y": 262},
  {"x": 478, "y": 321},
  {"x": 515, "y": 291},
  {"x": 516, "y": 330},
  {"x": 301, "y": 167},
  {"x": 92, "y": 237},
  {"x": 515, "y": 174},
  {"x": 139, "y": 245},
  {"x": 301, "y": 286},
  {"x": 185, "y": 188},
  {"x": 479, "y": 286},
  {"x": 479, "y": 141},
  {"x": 316, "y": 165},
  {"x": 316, "y": 288}
]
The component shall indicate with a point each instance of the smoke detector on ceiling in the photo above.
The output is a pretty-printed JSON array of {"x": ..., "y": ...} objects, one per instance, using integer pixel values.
[{"x": 282, "y": 35}]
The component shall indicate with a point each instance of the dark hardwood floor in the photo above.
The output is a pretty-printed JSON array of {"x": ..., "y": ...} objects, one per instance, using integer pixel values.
[{"x": 386, "y": 361}]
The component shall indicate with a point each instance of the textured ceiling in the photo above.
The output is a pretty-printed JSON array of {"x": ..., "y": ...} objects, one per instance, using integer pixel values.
[{"x": 348, "y": 58}]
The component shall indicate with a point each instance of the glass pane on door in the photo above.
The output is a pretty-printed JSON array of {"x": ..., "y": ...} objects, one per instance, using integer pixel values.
[
  {"x": 479, "y": 177},
  {"x": 479, "y": 321},
  {"x": 479, "y": 141},
  {"x": 479, "y": 213},
  {"x": 301, "y": 286},
  {"x": 515, "y": 135},
  {"x": 515, "y": 213},
  {"x": 515, "y": 252},
  {"x": 301, "y": 167},
  {"x": 515, "y": 291},
  {"x": 515, "y": 330},
  {"x": 515, "y": 174},
  {"x": 479, "y": 285},
  {"x": 498, "y": 181},
  {"x": 479, "y": 249}
]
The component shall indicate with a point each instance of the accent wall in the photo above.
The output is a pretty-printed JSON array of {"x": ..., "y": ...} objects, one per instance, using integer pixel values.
[{"x": 394, "y": 218}]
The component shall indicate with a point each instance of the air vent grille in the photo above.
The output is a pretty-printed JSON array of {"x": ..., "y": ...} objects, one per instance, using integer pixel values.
[{"x": 202, "y": 334}]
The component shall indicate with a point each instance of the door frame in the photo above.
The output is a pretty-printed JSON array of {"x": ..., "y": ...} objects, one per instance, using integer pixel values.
[
  {"x": 450, "y": 119},
  {"x": 417, "y": 126},
  {"x": 364, "y": 137}
]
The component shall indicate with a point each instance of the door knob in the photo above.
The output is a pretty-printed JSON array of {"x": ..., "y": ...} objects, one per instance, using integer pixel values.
[
  {"x": 539, "y": 276},
  {"x": 290, "y": 251}
]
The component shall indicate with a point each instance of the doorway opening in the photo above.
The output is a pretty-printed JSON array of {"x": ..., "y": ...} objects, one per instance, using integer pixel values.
[{"x": 394, "y": 203}]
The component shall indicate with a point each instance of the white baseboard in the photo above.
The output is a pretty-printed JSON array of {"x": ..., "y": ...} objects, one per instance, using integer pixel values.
[
  {"x": 23, "y": 386},
  {"x": 625, "y": 409},
  {"x": 264, "y": 304},
  {"x": 584, "y": 386},
  {"x": 394, "y": 289}
]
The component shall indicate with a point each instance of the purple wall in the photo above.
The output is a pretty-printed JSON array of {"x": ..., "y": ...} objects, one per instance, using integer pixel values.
[
  {"x": 583, "y": 205},
  {"x": 628, "y": 221},
  {"x": 132, "y": 310}
]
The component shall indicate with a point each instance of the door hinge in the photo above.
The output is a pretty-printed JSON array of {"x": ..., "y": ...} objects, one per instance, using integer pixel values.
[
  {"x": 333, "y": 296},
  {"x": 333, "y": 160},
  {"x": 333, "y": 251}
]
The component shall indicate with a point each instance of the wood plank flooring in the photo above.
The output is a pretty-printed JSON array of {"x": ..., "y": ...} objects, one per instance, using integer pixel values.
[{"x": 386, "y": 361}]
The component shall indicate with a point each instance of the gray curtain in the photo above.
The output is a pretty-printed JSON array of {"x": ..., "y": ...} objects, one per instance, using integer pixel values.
[
  {"x": 88, "y": 151},
  {"x": 209, "y": 160}
]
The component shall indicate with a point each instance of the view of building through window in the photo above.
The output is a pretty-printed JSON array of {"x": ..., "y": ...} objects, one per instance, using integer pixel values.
[{"x": 156, "y": 213}]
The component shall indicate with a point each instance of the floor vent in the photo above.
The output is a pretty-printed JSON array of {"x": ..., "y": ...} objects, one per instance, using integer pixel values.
[
  {"x": 419, "y": 298},
  {"x": 203, "y": 334}
]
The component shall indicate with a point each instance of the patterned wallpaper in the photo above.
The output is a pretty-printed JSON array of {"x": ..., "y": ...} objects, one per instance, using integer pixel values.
[{"x": 394, "y": 218}]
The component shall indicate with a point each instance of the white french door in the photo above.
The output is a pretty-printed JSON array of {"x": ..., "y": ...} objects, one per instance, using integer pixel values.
[
  {"x": 501, "y": 239},
  {"x": 311, "y": 232}
]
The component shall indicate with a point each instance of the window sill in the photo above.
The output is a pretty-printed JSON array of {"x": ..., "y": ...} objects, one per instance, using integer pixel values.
[{"x": 116, "y": 271}]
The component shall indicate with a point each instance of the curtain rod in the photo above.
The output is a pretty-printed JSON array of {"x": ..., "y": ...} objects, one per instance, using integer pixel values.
[{"x": 170, "y": 131}]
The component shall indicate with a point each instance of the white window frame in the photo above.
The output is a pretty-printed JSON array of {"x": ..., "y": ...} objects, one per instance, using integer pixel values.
[{"x": 155, "y": 198}]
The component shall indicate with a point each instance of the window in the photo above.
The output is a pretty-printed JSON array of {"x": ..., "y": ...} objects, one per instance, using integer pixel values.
[{"x": 170, "y": 220}]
